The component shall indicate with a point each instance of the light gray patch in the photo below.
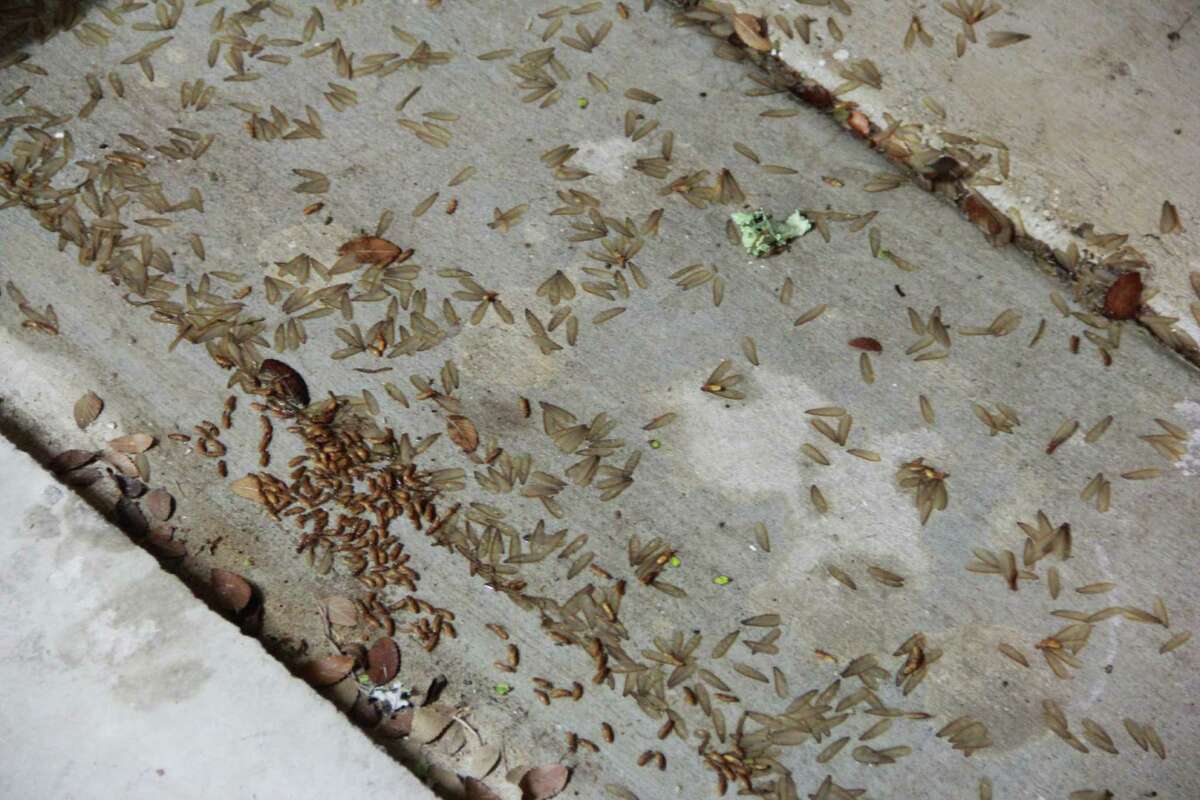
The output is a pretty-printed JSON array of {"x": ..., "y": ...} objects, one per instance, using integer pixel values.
[
  {"x": 156, "y": 683},
  {"x": 41, "y": 523}
]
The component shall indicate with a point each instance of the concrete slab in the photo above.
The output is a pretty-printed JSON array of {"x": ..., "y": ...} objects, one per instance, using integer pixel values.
[
  {"x": 1098, "y": 109},
  {"x": 120, "y": 683},
  {"x": 703, "y": 481}
]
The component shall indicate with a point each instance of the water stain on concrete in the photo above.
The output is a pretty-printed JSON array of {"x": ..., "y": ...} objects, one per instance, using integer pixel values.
[{"x": 1005, "y": 696}]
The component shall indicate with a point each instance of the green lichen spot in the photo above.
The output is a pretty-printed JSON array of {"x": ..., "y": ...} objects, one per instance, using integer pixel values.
[{"x": 762, "y": 235}]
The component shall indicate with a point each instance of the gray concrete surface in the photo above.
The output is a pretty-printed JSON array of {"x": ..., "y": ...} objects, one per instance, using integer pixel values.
[
  {"x": 119, "y": 683},
  {"x": 1099, "y": 109},
  {"x": 720, "y": 468}
]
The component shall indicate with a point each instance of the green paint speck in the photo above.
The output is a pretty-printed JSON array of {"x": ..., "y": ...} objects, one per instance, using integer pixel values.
[
  {"x": 655, "y": 444},
  {"x": 583, "y": 102},
  {"x": 674, "y": 562},
  {"x": 722, "y": 580},
  {"x": 502, "y": 689}
]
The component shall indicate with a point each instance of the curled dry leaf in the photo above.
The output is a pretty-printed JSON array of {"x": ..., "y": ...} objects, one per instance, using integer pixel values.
[
  {"x": 341, "y": 611},
  {"x": 1123, "y": 297},
  {"x": 233, "y": 592},
  {"x": 122, "y": 463},
  {"x": 165, "y": 546},
  {"x": 452, "y": 740},
  {"x": 82, "y": 477},
  {"x": 481, "y": 761},
  {"x": 143, "y": 466},
  {"x": 542, "y": 783},
  {"x": 371, "y": 250},
  {"x": 68, "y": 460},
  {"x": 748, "y": 28},
  {"x": 478, "y": 790},
  {"x": 160, "y": 504},
  {"x": 328, "y": 670},
  {"x": 129, "y": 517},
  {"x": 429, "y": 722},
  {"x": 248, "y": 487},
  {"x": 87, "y": 408},
  {"x": 399, "y": 724},
  {"x": 129, "y": 487},
  {"x": 132, "y": 443},
  {"x": 866, "y": 343},
  {"x": 383, "y": 661},
  {"x": 364, "y": 713},
  {"x": 462, "y": 432}
]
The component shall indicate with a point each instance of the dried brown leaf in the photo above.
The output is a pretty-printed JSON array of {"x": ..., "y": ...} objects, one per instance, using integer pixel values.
[
  {"x": 866, "y": 343},
  {"x": 746, "y": 26},
  {"x": 542, "y": 783},
  {"x": 87, "y": 408},
  {"x": 160, "y": 504},
  {"x": 462, "y": 432},
  {"x": 341, "y": 611},
  {"x": 232, "y": 591},
  {"x": 328, "y": 670},
  {"x": 1123, "y": 297},
  {"x": 371, "y": 250},
  {"x": 132, "y": 443},
  {"x": 383, "y": 661},
  {"x": 68, "y": 460}
]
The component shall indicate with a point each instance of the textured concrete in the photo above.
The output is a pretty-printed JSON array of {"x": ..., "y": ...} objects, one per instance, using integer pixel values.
[
  {"x": 720, "y": 468},
  {"x": 119, "y": 683},
  {"x": 1099, "y": 109}
]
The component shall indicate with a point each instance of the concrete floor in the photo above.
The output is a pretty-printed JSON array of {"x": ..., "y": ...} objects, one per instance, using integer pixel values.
[
  {"x": 122, "y": 684},
  {"x": 704, "y": 481},
  {"x": 1099, "y": 110}
]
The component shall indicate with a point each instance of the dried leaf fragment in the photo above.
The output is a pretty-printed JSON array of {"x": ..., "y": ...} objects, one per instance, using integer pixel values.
[
  {"x": 160, "y": 504},
  {"x": 327, "y": 671},
  {"x": 132, "y": 443},
  {"x": 87, "y": 408},
  {"x": 68, "y": 460},
  {"x": 341, "y": 611},
  {"x": 542, "y": 783},
  {"x": 1123, "y": 297},
  {"x": 248, "y": 487},
  {"x": 232, "y": 591},
  {"x": 866, "y": 343},
  {"x": 462, "y": 432},
  {"x": 748, "y": 28},
  {"x": 383, "y": 661},
  {"x": 371, "y": 250},
  {"x": 1168, "y": 220}
]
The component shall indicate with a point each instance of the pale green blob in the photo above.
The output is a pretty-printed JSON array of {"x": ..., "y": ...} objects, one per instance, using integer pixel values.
[{"x": 762, "y": 235}]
